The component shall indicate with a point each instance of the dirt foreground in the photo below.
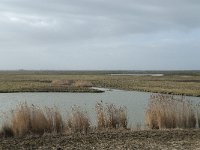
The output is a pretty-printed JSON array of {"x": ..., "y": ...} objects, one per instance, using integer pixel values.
[{"x": 148, "y": 139}]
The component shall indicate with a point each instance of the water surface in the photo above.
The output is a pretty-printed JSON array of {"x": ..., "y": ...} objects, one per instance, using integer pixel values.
[{"x": 136, "y": 102}]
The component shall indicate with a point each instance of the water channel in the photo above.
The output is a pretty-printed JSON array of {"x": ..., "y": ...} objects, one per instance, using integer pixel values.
[{"x": 136, "y": 102}]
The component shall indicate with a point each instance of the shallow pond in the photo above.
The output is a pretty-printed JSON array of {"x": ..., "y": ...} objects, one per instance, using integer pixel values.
[
  {"x": 137, "y": 74},
  {"x": 136, "y": 102}
]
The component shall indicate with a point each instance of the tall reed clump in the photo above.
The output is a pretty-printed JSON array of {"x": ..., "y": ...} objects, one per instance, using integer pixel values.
[
  {"x": 111, "y": 116},
  {"x": 78, "y": 120},
  {"x": 31, "y": 119},
  {"x": 166, "y": 111}
]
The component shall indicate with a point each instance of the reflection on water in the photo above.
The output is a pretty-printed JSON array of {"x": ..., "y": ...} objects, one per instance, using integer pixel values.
[{"x": 136, "y": 102}]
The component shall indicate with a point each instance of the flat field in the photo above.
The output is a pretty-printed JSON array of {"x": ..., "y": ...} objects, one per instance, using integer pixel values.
[{"x": 172, "y": 82}]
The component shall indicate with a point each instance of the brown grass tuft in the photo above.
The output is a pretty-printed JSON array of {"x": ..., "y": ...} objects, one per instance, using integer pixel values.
[
  {"x": 111, "y": 116},
  {"x": 32, "y": 119},
  {"x": 166, "y": 111},
  {"x": 78, "y": 120},
  {"x": 75, "y": 83},
  {"x": 62, "y": 82},
  {"x": 82, "y": 83}
]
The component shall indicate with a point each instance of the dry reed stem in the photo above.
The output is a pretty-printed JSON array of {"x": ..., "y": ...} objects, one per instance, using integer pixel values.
[
  {"x": 111, "y": 116},
  {"x": 78, "y": 120},
  {"x": 166, "y": 111},
  {"x": 32, "y": 119}
]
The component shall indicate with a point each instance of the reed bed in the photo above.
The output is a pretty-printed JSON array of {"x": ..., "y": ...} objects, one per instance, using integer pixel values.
[
  {"x": 26, "y": 119},
  {"x": 166, "y": 111},
  {"x": 78, "y": 120},
  {"x": 163, "y": 111},
  {"x": 32, "y": 119},
  {"x": 111, "y": 116}
]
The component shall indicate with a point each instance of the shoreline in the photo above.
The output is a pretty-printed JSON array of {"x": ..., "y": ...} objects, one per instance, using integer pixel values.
[{"x": 93, "y": 90}]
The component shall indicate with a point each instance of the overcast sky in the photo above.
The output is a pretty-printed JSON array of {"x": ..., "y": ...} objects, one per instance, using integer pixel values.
[{"x": 99, "y": 34}]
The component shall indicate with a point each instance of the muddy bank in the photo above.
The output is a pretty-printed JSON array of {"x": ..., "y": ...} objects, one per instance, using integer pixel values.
[{"x": 150, "y": 139}]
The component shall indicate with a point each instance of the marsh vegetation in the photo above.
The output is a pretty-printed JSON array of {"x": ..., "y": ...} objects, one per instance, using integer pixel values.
[
  {"x": 166, "y": 111},
  {"x": 30, "y": 119},
  {"x": 35, "y": 126},
  {"x": 163, "y": 112},
  {"x": 180, "y": 83}
]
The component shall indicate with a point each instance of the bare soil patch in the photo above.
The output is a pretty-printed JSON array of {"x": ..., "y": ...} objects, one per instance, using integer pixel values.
[{"x": 146, "y": 139}]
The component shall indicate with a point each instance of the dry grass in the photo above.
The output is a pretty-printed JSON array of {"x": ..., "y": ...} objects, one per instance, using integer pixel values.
[
  {"x": 55, "y": 123},
  {"x": 78, "y": 120},
  {"x": 75, "y": 83},
  {"x": 82, "y": 83},
  {"x": 111, "y": 116},
  {"x": 184, "y": 83},
  {"x": 165, "y": 111},
  {"x": 27, "y": 119},
  {"x": 31, "y": 119},
  {"x": 61, "y": 82}
]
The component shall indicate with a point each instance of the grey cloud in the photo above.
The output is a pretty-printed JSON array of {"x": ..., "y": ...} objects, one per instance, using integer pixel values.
[{"x": 123, "y": 32}]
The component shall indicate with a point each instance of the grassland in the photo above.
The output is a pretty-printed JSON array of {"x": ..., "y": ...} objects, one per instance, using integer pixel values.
[{"x": 176, "y": 82}]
